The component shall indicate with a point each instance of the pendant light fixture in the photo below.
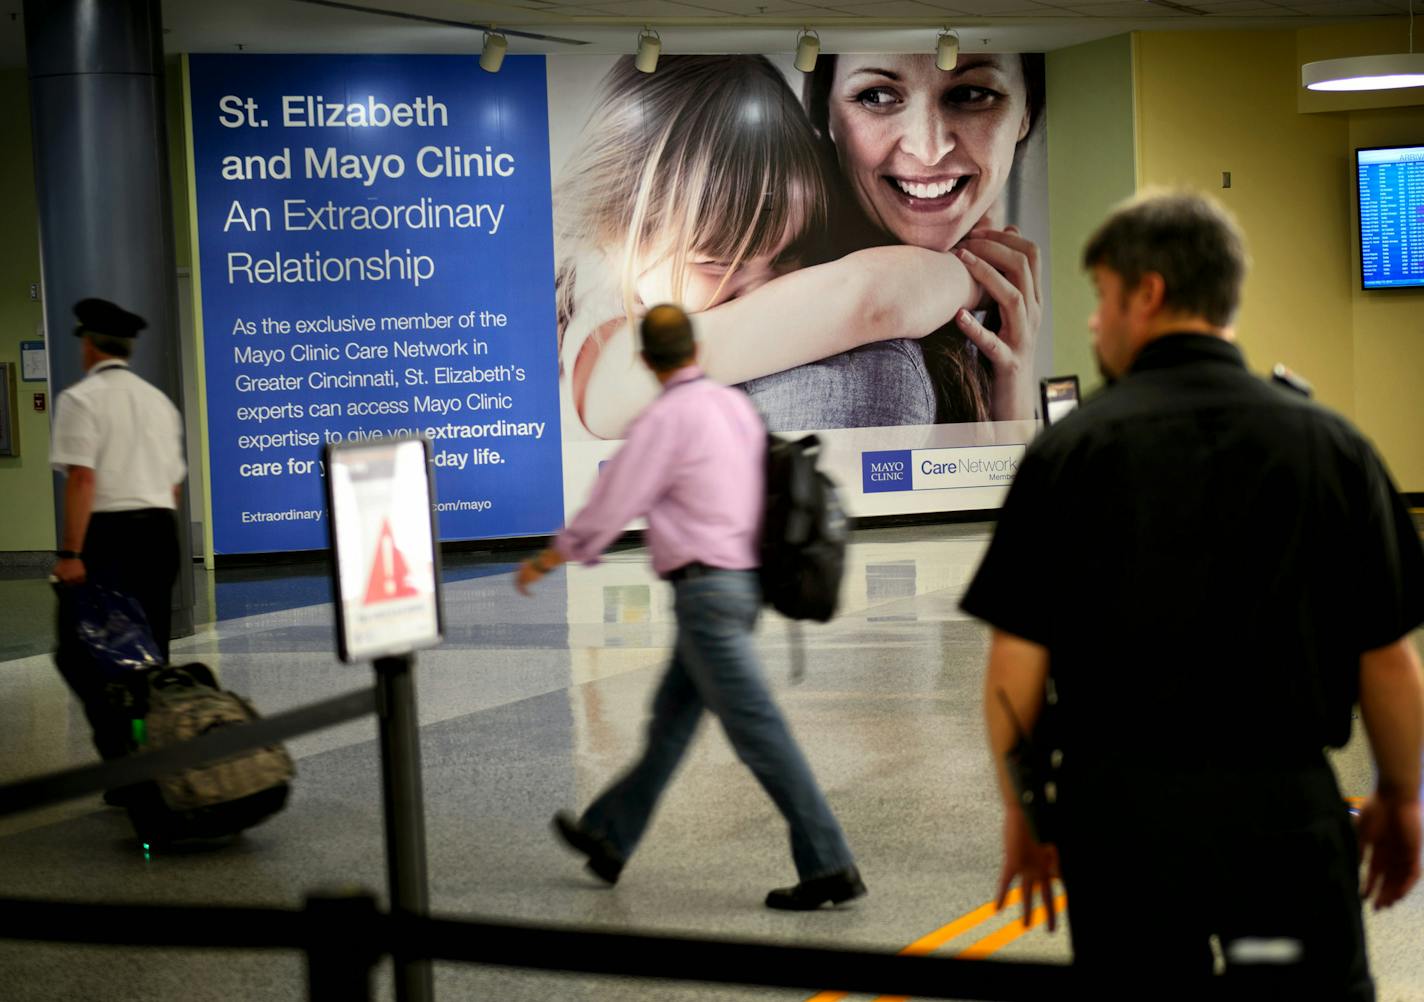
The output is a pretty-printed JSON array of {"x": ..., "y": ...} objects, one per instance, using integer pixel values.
[{"x": 1387, "y": 72}]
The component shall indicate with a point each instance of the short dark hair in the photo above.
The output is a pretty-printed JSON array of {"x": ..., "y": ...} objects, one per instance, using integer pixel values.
[
  {"x": 1188, "y": 239},
  {"x": 667, "y": 340},
  {"x": 119, "y": 347}
]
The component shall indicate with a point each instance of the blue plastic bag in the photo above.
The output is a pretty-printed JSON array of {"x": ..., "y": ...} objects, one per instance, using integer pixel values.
[{"x": 113, "y": 628}]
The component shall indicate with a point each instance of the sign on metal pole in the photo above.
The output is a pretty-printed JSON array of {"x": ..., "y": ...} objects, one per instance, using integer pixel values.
[
  {"x": 383, "y": 541},
  {"x": 386, "y": 575}
]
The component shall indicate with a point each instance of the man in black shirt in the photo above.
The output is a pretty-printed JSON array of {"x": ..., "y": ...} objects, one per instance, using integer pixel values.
[{"x": 1231, "y": 572}]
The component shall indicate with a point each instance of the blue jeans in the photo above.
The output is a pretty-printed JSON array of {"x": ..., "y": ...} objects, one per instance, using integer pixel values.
[{"x": 715, "y": 667}]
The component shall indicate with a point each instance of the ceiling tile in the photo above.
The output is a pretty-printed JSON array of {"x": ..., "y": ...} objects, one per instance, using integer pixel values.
[
  {"x": 1240, "y": 8},
  {"x": 809, "y": 10},
  {"x": 651, "y": 8},
  {"x": 753, "y": 8},
  {"x": 1123, "y": 9},
  {"x": 997, "y": 8},
  {"x": 891, "y": 8},
  {"x": 1229, "y": 5},
  {"x": 1339, "y": 8}
]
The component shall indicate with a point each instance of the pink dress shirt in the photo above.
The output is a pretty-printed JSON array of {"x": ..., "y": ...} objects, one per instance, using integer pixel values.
[{"x": 694, "y": 463}]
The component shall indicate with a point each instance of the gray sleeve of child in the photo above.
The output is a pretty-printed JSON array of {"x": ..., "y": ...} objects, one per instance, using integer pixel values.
[{"x": 879, "y": 385}]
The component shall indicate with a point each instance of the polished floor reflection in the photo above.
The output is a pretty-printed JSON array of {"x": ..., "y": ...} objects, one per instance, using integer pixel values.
[{"x": 532, "y": 705}]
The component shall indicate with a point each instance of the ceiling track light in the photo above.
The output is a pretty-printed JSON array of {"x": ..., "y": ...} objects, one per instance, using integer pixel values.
[
  {"x": 650, "y": 44},
  {"x": 947, "y": 49},
  {"x": 1386, "y": 72},
  {"x": 808, "y": 47},
  {"x": 492, "y": 55}
]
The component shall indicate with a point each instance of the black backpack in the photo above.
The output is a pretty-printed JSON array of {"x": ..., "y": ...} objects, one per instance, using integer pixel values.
[{"x": 803, "y": 537}]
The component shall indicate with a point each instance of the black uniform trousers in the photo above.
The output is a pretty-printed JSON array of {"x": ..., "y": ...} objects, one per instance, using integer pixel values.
[
  {"x": 134, "y": 553},
  {"x": 1266, "y": 857}
]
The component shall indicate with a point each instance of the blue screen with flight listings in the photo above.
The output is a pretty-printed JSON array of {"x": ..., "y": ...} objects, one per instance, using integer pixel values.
[{"x": 1391, "y": 186}]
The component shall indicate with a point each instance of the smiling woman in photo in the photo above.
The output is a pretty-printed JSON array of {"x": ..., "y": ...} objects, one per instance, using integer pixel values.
[
  {"x": 925, "y": 157},
  {"x": 707, "y": 185}
]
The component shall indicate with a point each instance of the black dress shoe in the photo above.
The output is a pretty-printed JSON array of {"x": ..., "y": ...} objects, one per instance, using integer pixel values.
[
  {"x": 603, "y": 859},
  {"x": 838, "y": 887}
]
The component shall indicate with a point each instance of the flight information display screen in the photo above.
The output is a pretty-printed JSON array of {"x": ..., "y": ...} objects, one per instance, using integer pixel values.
[{"x": 1391, "y": 186}]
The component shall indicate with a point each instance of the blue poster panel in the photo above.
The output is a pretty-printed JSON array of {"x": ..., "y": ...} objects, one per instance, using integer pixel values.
[{"x": 375, "y": 246}]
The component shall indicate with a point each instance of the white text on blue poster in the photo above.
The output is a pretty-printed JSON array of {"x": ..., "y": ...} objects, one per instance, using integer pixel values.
[{"x": 376, "y": 258}]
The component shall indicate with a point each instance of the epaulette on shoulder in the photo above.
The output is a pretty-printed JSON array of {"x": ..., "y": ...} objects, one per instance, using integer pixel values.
[{"x": 1292, "y": 381}]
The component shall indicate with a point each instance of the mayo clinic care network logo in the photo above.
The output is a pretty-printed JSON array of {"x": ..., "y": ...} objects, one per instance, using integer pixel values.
[{"x": 939, "y": 469}]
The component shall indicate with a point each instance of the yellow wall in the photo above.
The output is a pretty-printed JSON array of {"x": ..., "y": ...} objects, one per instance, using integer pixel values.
[
  {"x": 1091, "y": 167},
  {"x": 1388, "y": 327},
  {"x": 26, "y": 487},
  {"x": 1210, "y": 102},
  {"x": 173, "y": 92},
  {"x": 1291, "y": 157}
]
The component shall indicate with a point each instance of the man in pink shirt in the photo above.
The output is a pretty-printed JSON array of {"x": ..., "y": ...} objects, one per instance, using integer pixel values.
[{"x": 694, "y": 466}]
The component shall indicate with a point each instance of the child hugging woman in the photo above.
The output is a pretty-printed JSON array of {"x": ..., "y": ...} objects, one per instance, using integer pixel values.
[{"x": 704, "y": 185}]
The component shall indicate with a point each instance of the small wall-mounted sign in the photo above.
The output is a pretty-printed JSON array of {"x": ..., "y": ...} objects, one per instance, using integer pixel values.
[
  {"x": 34, "y": 363},
  {"x": 40, "y": 402}
]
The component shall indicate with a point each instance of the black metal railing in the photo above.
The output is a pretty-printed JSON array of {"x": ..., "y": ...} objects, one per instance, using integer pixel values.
[{"x": 344, "y": 937}]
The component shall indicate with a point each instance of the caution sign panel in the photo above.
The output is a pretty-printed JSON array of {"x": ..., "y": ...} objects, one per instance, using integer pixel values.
[{"x": 387, "y": 573}]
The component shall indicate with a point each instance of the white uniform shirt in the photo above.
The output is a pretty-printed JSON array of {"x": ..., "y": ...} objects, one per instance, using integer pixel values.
[{"x": 127, "y": 432}]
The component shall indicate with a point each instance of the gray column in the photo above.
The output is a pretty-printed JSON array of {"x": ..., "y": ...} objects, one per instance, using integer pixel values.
[{"x": 101, "y": 173}]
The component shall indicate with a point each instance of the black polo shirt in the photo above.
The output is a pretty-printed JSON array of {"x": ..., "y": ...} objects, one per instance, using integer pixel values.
[{"x": 1205, "y": 555}]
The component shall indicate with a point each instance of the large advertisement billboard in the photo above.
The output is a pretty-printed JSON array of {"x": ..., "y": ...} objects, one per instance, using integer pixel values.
[
  {"x": 864, "y": 247},
  {"x": 374, "y": 240},
  {"x": 393, "y": 244}
]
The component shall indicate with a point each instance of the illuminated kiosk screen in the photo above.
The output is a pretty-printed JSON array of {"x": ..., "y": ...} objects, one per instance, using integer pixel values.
[
  {"x": 383, "y": 542},
  {"x": 1060, "y": 397},
  {"x": 1391, "y": 202}
]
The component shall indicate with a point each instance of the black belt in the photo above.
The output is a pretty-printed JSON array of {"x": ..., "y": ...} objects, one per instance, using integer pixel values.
[
  {"x": 134, "y": 515},
  {"x": 690, "y": 572}
]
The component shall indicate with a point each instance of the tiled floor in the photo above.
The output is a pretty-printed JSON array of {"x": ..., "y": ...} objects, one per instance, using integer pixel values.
[{"x": 531, "y": 706}]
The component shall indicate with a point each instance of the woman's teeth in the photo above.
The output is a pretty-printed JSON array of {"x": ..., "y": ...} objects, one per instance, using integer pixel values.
[{"x": 916, "y": 190}]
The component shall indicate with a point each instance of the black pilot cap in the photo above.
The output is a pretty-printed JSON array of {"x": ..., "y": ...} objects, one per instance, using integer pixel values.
[{"x": 99, "y": 316}]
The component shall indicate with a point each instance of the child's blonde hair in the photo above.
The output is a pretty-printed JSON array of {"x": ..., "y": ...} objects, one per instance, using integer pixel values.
[{"x": 710, "y": 155}]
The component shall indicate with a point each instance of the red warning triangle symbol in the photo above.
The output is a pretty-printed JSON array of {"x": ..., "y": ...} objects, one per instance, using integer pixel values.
[{"x": 388, "y": 571}]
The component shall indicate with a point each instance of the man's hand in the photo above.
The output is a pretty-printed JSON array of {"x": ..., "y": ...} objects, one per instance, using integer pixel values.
[
  {"x": 1389, "y": 834},
  {"x": 1034, "y": 864},
  {"x": 70, "y": 571},
  {"x": 528, "y": 573}
]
